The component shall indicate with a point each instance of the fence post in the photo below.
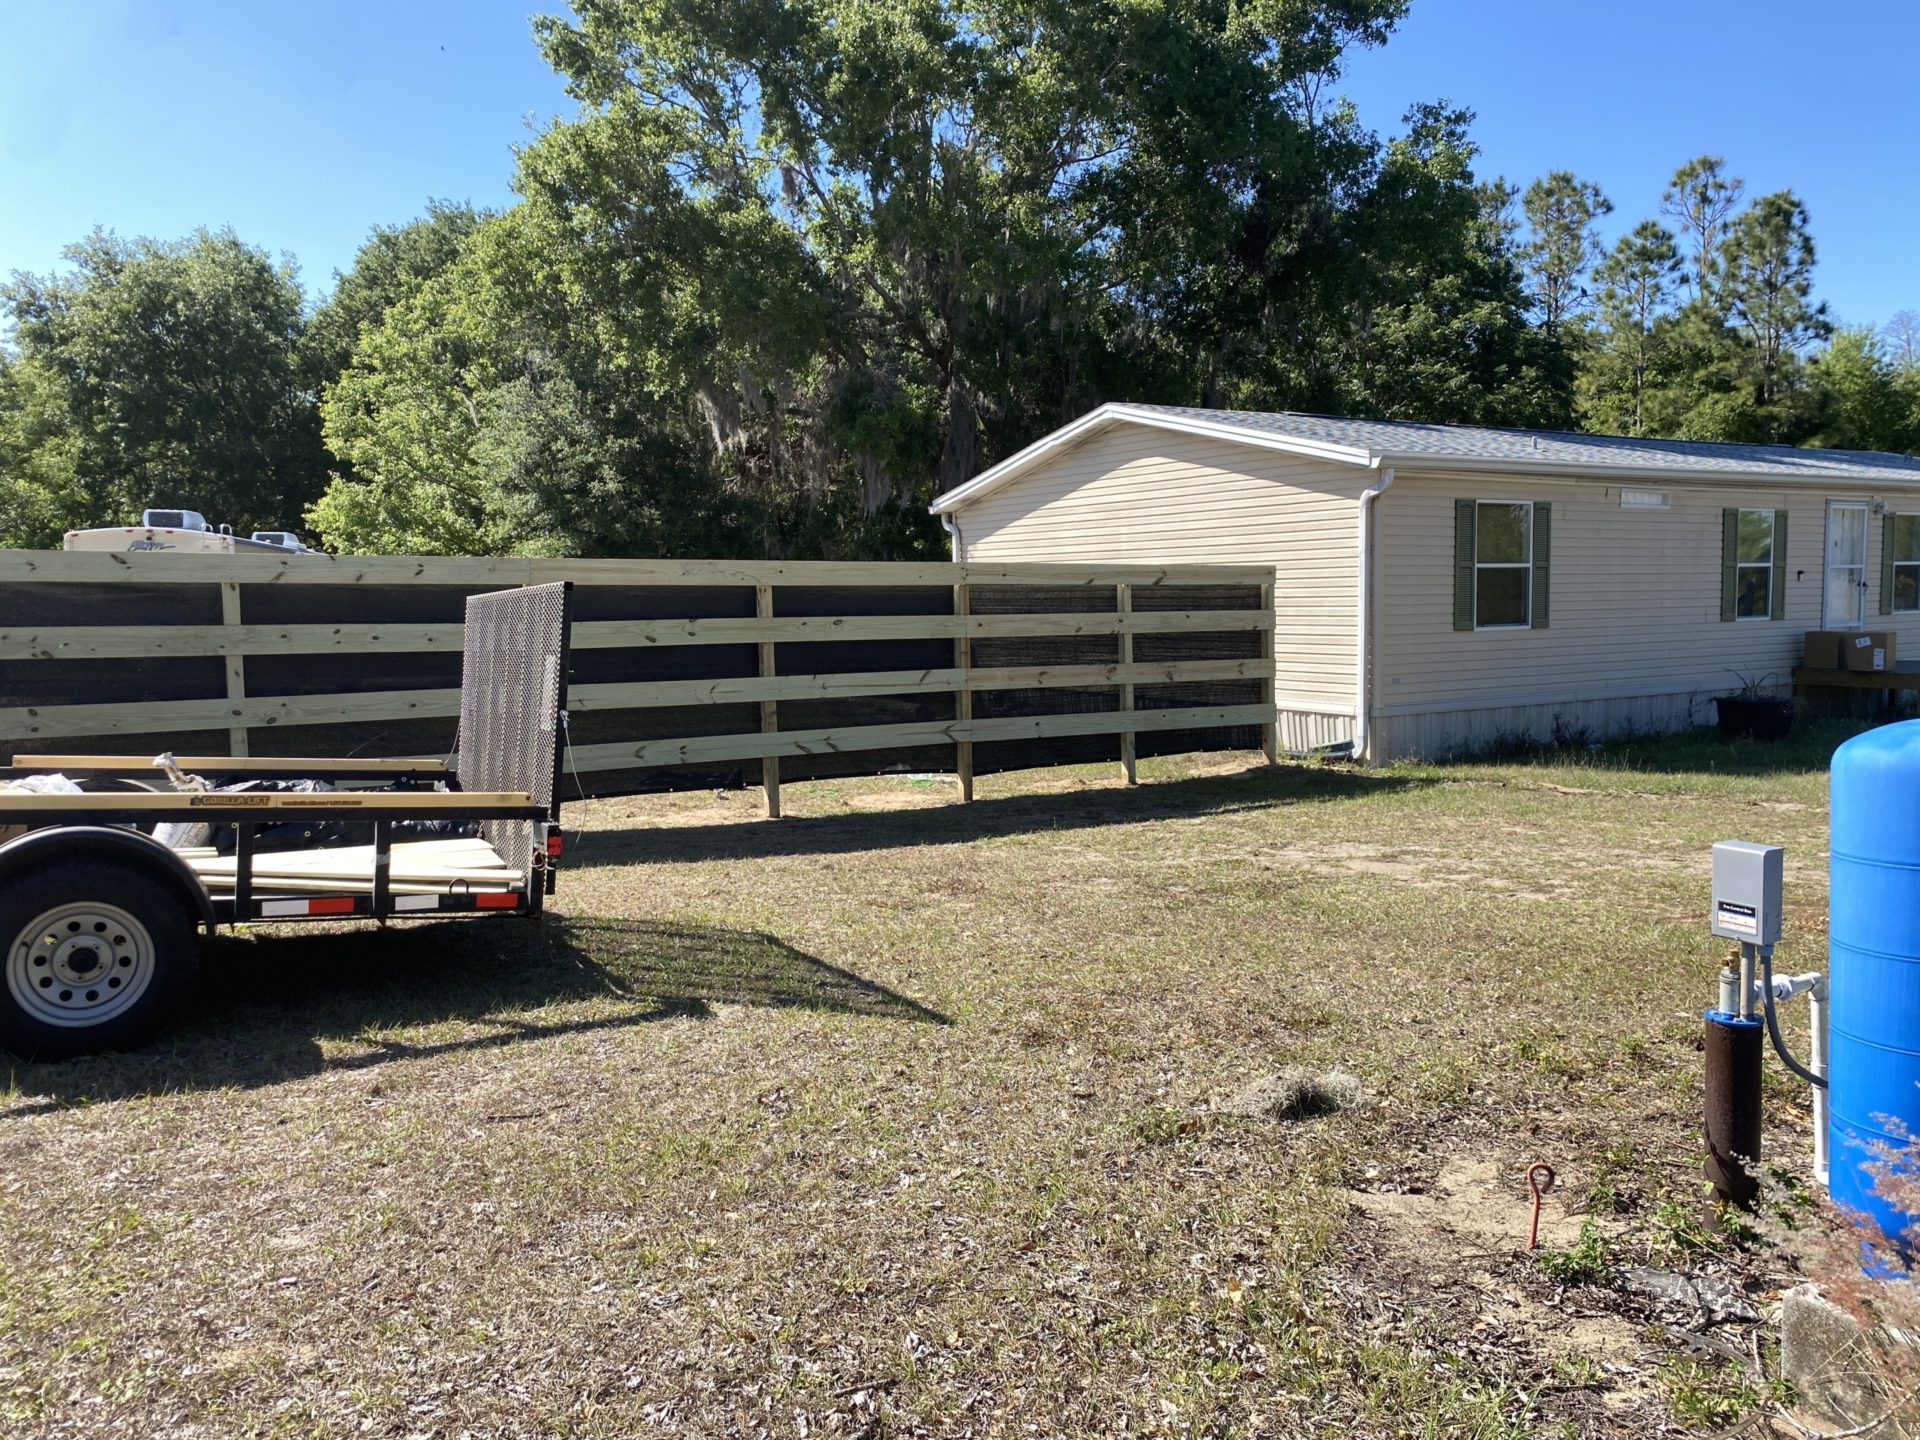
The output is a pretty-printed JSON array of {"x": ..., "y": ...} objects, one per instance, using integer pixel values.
[
  {"x": 963, "y": 698},
  {"x": 1123, "y": 602},
  {"x": 1269, "y": 732},
  {"x": 236, "y": 665},
  {"x": 769, "y": 709}
]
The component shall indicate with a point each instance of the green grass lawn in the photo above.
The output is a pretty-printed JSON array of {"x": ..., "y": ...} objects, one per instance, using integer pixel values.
[{"x": 903, "y": 1116}]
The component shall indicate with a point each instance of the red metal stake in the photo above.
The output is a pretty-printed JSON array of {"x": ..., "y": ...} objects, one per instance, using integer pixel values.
[{"x": 1538, "y": 1188}]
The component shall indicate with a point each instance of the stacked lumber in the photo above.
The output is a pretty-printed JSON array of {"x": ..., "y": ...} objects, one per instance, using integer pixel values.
[{"x": 420, "y": 867}]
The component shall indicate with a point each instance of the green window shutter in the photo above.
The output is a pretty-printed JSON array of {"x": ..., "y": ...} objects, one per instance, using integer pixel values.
[
  {"x": 1542, "y": 561},
  {"x": 1886, "y": 565},
  {"x": 1777, "y": 608},
  {"x": 1463, "y": 564},
  {"x": 1729, "y": 557}
]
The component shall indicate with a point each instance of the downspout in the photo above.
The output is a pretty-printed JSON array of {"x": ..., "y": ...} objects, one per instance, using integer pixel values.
[
  {"x": 952, "y": 528},
  {"x": 1363, "y": 689}
]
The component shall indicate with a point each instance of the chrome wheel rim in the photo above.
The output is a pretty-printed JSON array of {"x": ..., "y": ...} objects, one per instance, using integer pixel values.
[{"x": 80, "y": 964}]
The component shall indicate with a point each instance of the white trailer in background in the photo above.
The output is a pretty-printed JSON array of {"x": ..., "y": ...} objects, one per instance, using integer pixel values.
[{"x": 186, "y": 531}]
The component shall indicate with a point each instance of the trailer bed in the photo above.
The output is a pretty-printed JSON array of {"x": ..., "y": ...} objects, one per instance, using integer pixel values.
[
  {"x": 384, "y": 878},
  {"x": 417, "y": 867},
  {"x": 102, "y": 887}
]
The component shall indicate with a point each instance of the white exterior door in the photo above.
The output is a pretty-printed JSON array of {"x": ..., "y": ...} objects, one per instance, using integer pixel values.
[{"x": 1846, "y": 589}]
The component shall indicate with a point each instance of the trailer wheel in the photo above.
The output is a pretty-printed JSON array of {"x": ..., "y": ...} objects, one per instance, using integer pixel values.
[{"x": 97, "y": 954}]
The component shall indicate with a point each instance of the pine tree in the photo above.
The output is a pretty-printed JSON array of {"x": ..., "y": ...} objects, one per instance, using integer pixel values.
[{"x": 1561, "y": 212}]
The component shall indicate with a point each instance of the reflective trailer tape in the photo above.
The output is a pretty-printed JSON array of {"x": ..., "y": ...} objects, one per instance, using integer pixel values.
[
  {"x": 321, "y": 905},
  {"x": 416, "y": 902},
  {"x": 496, "y": 899}
]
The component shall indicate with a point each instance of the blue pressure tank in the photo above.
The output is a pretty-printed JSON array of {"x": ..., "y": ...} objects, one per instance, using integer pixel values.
[{"x": 1873, "y": 963}]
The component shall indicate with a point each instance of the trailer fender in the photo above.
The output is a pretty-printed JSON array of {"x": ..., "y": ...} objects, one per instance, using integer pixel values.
[{"x": 60, "y": 842}]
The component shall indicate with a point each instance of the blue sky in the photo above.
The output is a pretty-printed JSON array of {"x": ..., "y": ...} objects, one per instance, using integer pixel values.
[
  {"x": 304, "y": 125},
  {"x": 1818, "y": 96}
]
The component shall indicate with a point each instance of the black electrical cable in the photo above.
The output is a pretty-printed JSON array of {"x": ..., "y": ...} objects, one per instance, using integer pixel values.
[{"x": 1773, "y": 1027}]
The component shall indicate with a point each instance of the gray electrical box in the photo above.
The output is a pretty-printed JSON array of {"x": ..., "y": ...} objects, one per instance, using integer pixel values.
[{"x": 1746, "y": 891}]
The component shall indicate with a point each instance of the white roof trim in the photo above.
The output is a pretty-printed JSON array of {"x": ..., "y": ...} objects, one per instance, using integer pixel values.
[
  {"x": 1095, "y": 421},
  {"x": 1426, "y": 462},
  {"x": 1109, "y": 415}
]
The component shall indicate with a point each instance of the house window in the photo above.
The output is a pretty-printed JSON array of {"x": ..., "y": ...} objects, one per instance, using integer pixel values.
[
  {"x": 1503, "y": 565},
  {"x": 1753, "y": 566},
  {"x": 1906, "y": 561}
]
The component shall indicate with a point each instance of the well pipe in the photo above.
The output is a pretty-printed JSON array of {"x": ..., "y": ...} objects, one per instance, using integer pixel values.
[{"x": 1733, "y": 1040}]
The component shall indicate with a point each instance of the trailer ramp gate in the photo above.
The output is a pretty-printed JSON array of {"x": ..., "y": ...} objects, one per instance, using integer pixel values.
[{"x": 513, "y": 690}]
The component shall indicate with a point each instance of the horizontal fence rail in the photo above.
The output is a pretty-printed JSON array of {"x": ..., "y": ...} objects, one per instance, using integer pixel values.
[
  {"x": 87, "y": 642},
  {"x": 684, "y": 672}
]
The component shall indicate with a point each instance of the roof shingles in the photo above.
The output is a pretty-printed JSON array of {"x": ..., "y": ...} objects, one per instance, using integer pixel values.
[{"x": 1397, "y": 439}]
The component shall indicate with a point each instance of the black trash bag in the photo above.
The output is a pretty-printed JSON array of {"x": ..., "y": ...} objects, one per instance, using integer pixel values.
[
  {"x": 328, "y": 834},
  {"x": 430, "y": 830},
  {"x": 291, "y": 834}
]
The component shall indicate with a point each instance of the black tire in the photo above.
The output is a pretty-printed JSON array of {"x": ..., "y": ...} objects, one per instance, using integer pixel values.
[{"x": 97, "y": 955}]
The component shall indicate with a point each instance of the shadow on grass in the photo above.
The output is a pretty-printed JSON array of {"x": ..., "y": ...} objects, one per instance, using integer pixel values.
[
  {"x": 266, "y": 1003},
  {"x": 1697, "y": 751},
  {"x": 1258, "y": 787}
]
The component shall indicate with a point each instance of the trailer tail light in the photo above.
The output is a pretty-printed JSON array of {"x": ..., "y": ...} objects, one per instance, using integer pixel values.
[
  {"x": 496, "y": 899},
  {"x": 554, "y": 842}
]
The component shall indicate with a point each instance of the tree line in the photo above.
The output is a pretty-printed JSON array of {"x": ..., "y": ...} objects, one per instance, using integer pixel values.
[{"x": 792, "y": 271}]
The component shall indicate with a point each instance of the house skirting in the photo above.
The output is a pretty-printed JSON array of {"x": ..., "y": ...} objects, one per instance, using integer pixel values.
[
  {"x": 1302, "y": 732},
  {"x": 1437, "y": 734}
]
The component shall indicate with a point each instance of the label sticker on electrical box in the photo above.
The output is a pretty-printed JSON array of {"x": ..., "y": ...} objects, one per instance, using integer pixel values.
[{"x": 1729, "y": 916}]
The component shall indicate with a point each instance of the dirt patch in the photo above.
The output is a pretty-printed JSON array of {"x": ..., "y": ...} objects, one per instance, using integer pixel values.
[{"x": 1466, "y": 1237}]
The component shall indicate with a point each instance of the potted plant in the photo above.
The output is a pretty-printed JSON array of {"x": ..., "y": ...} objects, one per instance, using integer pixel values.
[{"x": 1750, "y": 710}]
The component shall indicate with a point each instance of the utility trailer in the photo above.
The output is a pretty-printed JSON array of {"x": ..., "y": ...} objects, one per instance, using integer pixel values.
[{"x": 98, "y": 913}]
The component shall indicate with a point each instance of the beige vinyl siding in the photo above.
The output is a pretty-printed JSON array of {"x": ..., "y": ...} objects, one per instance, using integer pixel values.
[
  {"x": 1134, "y": 494},
  {"x": 1635, "y": 639},
  {"x": 1636, "y": 636}
]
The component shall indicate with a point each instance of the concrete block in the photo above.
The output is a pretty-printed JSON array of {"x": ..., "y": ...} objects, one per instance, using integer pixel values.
[{"x": 1840, "y": 1371}]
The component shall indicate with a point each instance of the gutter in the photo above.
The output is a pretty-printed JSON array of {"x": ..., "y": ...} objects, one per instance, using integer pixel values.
[
  {"x": 1629, "y": 476},
  {"x": 952, "y": 527},
  {"x": 1363, "y": 670}
]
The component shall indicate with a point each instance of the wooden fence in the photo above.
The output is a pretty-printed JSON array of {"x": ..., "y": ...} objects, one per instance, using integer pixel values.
[{"x": 685, "y": 673}]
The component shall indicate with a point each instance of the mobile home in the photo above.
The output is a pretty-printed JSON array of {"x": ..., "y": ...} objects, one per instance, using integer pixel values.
[{"x": 1440, "y": 586}]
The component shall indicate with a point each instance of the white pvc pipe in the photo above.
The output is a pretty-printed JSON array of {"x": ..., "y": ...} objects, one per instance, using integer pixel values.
[
  {"x": 1817, "y": 1063},
  {"x": 1363, "y": 696},
  {"x": 1814, "y": 986}
]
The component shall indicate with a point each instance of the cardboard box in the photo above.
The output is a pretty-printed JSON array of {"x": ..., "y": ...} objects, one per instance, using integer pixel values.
[
  {"x": 1869, "y": 650},
  {"x": 1823, "y": 650}
]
